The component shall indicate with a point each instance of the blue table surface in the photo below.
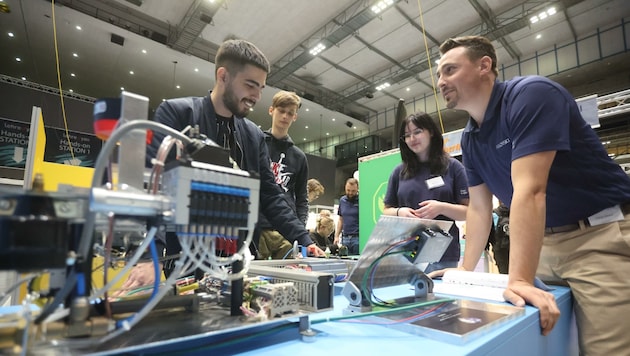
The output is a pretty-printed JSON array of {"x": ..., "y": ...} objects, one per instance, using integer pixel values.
[{"x": 520, "y": 336}]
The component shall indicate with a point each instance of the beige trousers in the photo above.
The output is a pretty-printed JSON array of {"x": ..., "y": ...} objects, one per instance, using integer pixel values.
[{"x": 595, "y": 262}]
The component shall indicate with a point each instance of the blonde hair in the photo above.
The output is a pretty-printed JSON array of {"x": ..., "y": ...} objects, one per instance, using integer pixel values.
[
  {"x": 285, "y": 99},
  {"x": 325, "y": 222},
  {"x": 314, "y": 186}
]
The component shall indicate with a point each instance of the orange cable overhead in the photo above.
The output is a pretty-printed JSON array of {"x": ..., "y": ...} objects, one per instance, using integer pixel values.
[
  {"x": 426, "y": 46},
  {"x": 63, "y": 106}
]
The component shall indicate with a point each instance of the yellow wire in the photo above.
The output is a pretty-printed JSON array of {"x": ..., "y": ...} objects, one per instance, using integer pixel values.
[
  {"x": 63, "y": 106},
  {"x": 426, "y": 46}
]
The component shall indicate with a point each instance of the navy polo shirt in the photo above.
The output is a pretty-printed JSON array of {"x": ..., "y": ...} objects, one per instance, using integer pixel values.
[
  {"x": 349, "y": 211},
  {"x": 410, "y": 192},
  {"x": 527, "y": 115}
]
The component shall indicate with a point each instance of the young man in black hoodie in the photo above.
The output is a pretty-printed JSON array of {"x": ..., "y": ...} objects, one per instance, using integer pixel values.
[{"x": 290, "y": 169}]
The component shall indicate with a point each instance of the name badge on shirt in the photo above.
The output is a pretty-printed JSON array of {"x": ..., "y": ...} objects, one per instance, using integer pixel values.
[
  {"x": 605, "y": 216},
  {"x": 435, "y": 182}
]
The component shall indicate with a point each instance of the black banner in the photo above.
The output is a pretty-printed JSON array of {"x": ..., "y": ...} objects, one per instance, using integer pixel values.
[
  {"x": 13, "y": 143},
  {"x": 85, "y": 147}
]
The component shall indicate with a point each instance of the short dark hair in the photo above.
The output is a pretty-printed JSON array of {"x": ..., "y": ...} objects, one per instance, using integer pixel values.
[
  {"x": 438, "y": 158},
  {"x": 476, "y": 47},
  {"x": 352, "y": 181},
  {"x": 236, "y": 54}
]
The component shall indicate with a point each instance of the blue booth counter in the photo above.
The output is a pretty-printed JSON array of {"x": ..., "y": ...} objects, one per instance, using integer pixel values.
[{"x": 520, "y": 336}]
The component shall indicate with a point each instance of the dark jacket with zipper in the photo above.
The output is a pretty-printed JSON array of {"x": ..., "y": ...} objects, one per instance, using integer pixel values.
[
  {"x": 290, "y": 168},
  {"x": 181, "y": 112}
]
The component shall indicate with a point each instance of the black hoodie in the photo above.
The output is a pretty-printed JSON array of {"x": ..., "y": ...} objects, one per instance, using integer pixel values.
[{"x": 290, "y": 168}]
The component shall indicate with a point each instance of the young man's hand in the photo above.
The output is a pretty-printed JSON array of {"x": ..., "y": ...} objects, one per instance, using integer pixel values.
[{"x": 315, "y": 251}]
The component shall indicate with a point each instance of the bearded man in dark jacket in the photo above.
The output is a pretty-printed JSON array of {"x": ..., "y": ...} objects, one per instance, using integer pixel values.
[{"x": 241, "y": 72}]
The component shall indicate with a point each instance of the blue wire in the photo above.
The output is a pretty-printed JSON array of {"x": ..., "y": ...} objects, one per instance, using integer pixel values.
[
  {"x": 80, "y": 284},
  {"x": 156, "y": 279},
  {"x": 156, "y": 268},
  {"x": 288, "y": 252}
]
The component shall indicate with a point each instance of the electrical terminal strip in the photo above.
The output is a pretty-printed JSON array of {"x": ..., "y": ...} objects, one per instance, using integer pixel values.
[
  {"x": 281, "y": 298},
  {"x": 212, "y": 207},
  {"x": 210, "y": 199},
  {"x": 315, "y": 290}
]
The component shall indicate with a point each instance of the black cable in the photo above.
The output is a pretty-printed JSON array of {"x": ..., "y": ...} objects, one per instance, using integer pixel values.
[{"x": 71, "y": 281}]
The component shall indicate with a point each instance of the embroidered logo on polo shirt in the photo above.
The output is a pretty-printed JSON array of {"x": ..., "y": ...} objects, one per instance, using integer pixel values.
[{"x": 502, "y": 143}]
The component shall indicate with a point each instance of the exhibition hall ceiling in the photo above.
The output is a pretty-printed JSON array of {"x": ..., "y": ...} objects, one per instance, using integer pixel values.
[{"x": 164, "y": 48}]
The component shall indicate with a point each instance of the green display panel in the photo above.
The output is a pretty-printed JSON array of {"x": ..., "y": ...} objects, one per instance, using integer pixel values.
[{"x": 374, "y": 171}]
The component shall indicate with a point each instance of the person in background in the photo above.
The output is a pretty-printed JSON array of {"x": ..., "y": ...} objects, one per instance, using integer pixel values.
[
  {"x": 348, "y": 223},
  {"x": 241, "y": 72},
  {"x": 290, "y": 169},
  {"x": 527, "y": 143},
  {"x": 331, "y": 236},
  {"x": 315, "y": 189},
  {"x": 428, "y": 184},
  {"x": 323, "y": 228}
]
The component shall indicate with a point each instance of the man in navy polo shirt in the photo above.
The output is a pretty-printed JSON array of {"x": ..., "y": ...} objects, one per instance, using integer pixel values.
[
  {"x": 526, "y": 143},
  {"x": 348, "y": 223}
]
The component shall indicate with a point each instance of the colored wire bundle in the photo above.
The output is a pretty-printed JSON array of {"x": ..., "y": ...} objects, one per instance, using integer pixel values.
[{"x": 367, "y": 282}]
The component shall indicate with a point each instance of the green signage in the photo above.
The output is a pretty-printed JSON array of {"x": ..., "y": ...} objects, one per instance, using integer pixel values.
[{"x": 374, "y": 171}]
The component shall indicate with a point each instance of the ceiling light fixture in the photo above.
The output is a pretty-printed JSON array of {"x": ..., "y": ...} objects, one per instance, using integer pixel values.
[
  {"x": 144, "y": 51},
  {"x": 131, "y": 72},
  {"x": 543, "y": 15},
  {"x": 18, "y": 59},
  {"x": 78, "y": 27},
  {"x": 75, "y": 55},
  {"x": 10, "y": 34},
  {"x": 72, "y": 75},
  {"x": 381, "y": 5},
  {"x": 383, "y": 86},
  {"x": 317, "y": 49}
]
